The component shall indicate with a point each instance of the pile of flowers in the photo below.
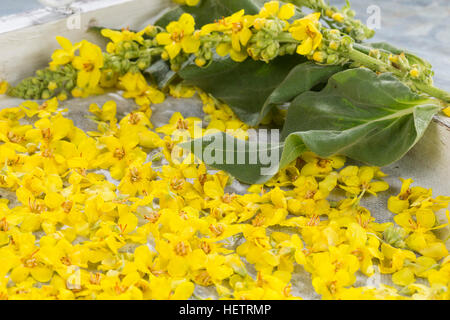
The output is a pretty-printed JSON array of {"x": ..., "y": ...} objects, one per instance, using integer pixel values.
[{"x": 157, "y": 232}]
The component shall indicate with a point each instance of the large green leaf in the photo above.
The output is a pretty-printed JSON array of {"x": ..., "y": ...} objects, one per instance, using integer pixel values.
[
  {"x": 371, "y": 118},
  {"x": 368, "y": 117},
  {"x": 244, "y": 159},
  {"x": 251, "y": 88}
]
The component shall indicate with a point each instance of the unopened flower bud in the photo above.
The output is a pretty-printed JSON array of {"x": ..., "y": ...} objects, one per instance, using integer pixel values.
[
  {"x": 52, "y": 86},
  {"x": 329, "y": 13},
  {"x": 200, "y": 62},
  {"x": 319, "y": 56},
  {"x": 337, "y": 17},
  {"x": 45, "y": 94},
  {"x": 332, "y": 59},
  {"x": 334, "y": 45},
  {"x": 165, "y": 55},
  {"x": 414, "y": 73},
  {"x": 394, "y": 236}
]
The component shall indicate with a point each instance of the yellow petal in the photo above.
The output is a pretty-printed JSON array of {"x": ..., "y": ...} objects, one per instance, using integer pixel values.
[
  {"x": 403, "y": 277},
  {"x": 287, "y": 11}
]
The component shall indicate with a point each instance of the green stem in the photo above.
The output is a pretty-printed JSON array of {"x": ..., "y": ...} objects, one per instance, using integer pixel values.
[
  {"x": 377, "y": 65},
  {"x": 433, "y": 91},
  {"x": 372, "y": 63}
]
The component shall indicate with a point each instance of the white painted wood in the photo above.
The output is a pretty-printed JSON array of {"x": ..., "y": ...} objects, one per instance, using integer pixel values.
[{"x": 27, "y": 40}]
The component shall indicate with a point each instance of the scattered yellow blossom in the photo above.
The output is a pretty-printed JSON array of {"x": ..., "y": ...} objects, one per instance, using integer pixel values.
[{"x": 179, "y": 35}]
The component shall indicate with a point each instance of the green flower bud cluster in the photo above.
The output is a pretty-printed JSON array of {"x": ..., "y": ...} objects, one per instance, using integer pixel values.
[
  {"x": 395, "y": 236},
  {"x": 411, "y": 66},
  {"x": 343, "y": 19},
  {"x": 178, "y": 61},
  {"x": 129, "y": 56},
  {"x": 47, "y": 83},
  {"x": 265, "y": 44},
  {"x": 287, "y": 49},
  {"x": 206, "y": 53},
  {"x": 334, "y": 48}
]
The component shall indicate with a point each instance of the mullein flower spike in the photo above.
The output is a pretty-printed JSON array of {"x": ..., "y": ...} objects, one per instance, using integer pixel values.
[{"x": 264, "y": 36}]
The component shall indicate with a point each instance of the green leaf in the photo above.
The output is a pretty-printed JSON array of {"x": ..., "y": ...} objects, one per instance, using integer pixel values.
[
  {"x": 251, "y": 88},
  {"x": 209, "y": 10},
  {"x": 160, "y": 71},
  {"x": 224, "y": 152},
  {"x": 244, "y": 86},
  {"x": 374, "y": 119},
  {"x": 370, "y": 118}
]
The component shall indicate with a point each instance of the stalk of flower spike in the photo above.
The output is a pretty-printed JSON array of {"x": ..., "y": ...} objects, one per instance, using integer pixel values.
[
  {"x": 47, "y": 83},
  {"x": 262, "y": 37},
  {"x": 408, "y": 76}
]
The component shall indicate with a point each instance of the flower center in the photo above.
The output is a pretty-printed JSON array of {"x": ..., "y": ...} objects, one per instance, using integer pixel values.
[
  {"x": 67, "y": 206},
  {"x": 177, "y": 36},
  {"x": 36, "y": 207},
  {"x": 217, "y": 230},
  {"x": 181, "y": 248},
  {"x": 205, "y": 247},
  {"x": 323, "y": 163},
  {"x": 88, "y": 67},
  {"x": 46, "y": 134},
  {"x": 182, "y": 124},
  {"x": 66, "y": 261},
  {"x": 14, "y": 138},
  {"x": 4, "y": 225},
  {"x": 237, "y": 26},
  {"x": 310, "y": 32},
  {"x": 119, "y": 153},
  {"x": 152, "y": 217},
  {"x": 177, "y": 184},
  {"x": 134, "y": 118},
  {"x": 135, "y": 175}
]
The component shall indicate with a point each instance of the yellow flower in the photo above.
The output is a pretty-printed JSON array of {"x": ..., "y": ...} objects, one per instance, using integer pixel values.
[
  {"x": 356, "y": 180},
  {"x": 66, "y": 54},
  {"x": 137, "y": 179},
  {"x": 178, "y": 122},
  {"x": 318, "y": 166},
  {"x": 163, "y": 288},
  {"x": 306, "y": 30},
  {"x": 191, "y": 3},
  {"x": 32, "y": 265},
  {"x": 88, "y": 65},
  {"x": 337, "y": 17},
  {"x": 43, "y": 110},
  {"x": 120, "y": 153},
  {"x": 400, "y": 202},
  {"x": 179, "y": 35},
  {"x": 136, "y": 87},
  {"x": 394, "y": 258},
  {"x": 446, "y": 111},
  {"x": 272, "y": 9},
  {"x": 238, "y": 27},
  {"x": 333, "y": 270},
  {"x": 106, "y": 113},
  {"x": 120, "y": 36},
  {"x": 3, "y": 86}
]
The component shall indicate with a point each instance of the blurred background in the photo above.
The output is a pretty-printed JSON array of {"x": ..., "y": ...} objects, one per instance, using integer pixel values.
[
  {"x": 8, "y": 7},
  {"x": 420, "y": 26}
]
